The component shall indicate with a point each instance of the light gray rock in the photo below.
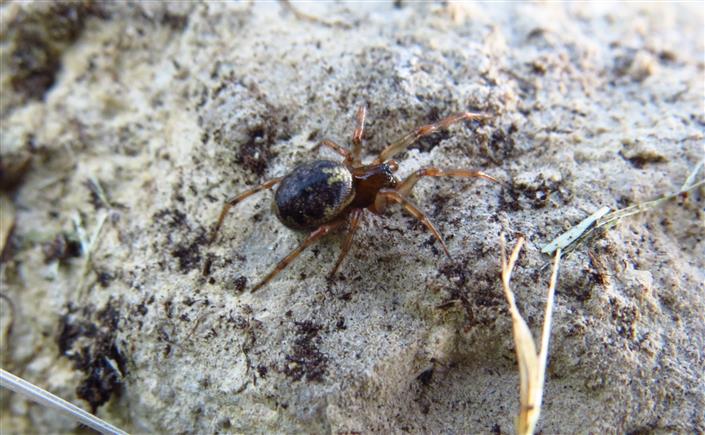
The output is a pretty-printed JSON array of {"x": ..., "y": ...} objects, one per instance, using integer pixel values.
[{"x": 147, "y": 116}]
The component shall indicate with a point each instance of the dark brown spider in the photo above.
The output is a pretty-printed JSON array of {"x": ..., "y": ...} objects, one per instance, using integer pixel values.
[{"x": 323, "y": 195}]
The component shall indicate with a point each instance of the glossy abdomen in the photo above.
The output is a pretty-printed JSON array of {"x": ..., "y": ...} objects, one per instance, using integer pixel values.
[{"x": 313, "y": 194}]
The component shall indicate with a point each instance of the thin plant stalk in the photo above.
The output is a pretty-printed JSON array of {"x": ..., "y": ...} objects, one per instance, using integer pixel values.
[
  {"x": 603, "y": 220},
  {"x": 43, "y": 397},
  {"x": 532, "y": 366}
]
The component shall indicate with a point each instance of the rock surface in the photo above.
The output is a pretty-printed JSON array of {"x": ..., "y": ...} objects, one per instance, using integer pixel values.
[{"x": 142, "y": 118}]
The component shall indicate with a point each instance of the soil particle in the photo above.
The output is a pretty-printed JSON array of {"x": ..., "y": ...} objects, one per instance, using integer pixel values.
[
  {"x": 305, "y": 360},
  {"x": 88, "y": 339}
]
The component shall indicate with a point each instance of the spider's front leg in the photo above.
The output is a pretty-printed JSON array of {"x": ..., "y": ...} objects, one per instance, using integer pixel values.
[
  {"x": 404, "y": 188},
  {"x": 400, "y": 192},
  {"x": 335, "y": 147},
  {"x": 357, "y": 134},
  {"x": 405, "y": 141},
  {"x": 384, "y": 196},
  {"x": 236, "y": 199},
  {"x": 312, "y": 238},
  {"x": 354, "y": 157}
]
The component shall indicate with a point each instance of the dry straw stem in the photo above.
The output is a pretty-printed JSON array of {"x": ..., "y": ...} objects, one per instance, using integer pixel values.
[
  {"x": 7, "y": 220},
  {"x": 532, "y": 365},
  {"x": 87, "y": 245},
  {"x": 602, "y": 220},
  {"x": 41, "y": 396}
]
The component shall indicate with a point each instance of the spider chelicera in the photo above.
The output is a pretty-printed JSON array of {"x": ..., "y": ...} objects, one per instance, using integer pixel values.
[{"x": 324, "y": 195}]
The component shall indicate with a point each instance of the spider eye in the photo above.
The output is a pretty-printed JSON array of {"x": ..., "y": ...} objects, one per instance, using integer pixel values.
[{"x": 393, "y": 166}]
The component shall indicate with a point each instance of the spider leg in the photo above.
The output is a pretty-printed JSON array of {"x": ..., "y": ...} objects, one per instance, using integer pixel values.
[
  {"x": 357, "y": 135},
  {"x": 335, "y": 147},
  {"x": 405, "y": 186},
  {"x": 385, "y": 195},
  {"x": 355, "y": 216},
  {"x": 405, "y": 141},
  {"x": 236, "y": 199},
  {"x": 313, "y": 237}
]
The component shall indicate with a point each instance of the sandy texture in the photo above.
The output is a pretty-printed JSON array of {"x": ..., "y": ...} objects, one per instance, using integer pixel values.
[{"x": 145, "y": 117}]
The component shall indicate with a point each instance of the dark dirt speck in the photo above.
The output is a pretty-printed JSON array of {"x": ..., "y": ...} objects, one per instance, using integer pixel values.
[
  {"x": 87, "y": 338},
  {"x": 187, "y": 249},
  {"x": 255, "y": 154},
  {"x": 63, "y": 247},
  {"x": 189, "y": 253},
  {"x": 240, "y": 283},
  {"x": 305, "y": 360},
  {"x": 639, "y": 160},
  {"x": 425, "y": 376},
  {"x": 502, "y": 142}
]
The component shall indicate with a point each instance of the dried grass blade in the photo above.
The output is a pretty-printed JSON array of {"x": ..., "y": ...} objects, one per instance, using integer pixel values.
[
  {"x": 532, "y": 366},
  {"x": 41, "y": 396}
]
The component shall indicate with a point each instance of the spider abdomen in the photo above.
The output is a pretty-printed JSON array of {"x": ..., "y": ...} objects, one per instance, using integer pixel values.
[{"x": 314, "y": 193}]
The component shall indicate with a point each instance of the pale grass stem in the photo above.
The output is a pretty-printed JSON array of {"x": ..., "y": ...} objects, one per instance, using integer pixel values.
[
  {"x": 43, "y": 397},
  {"x": 532, "y": 366}
]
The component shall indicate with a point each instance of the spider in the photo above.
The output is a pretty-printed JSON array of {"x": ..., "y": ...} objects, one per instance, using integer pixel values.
[{"x": 324, "y": 195}]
